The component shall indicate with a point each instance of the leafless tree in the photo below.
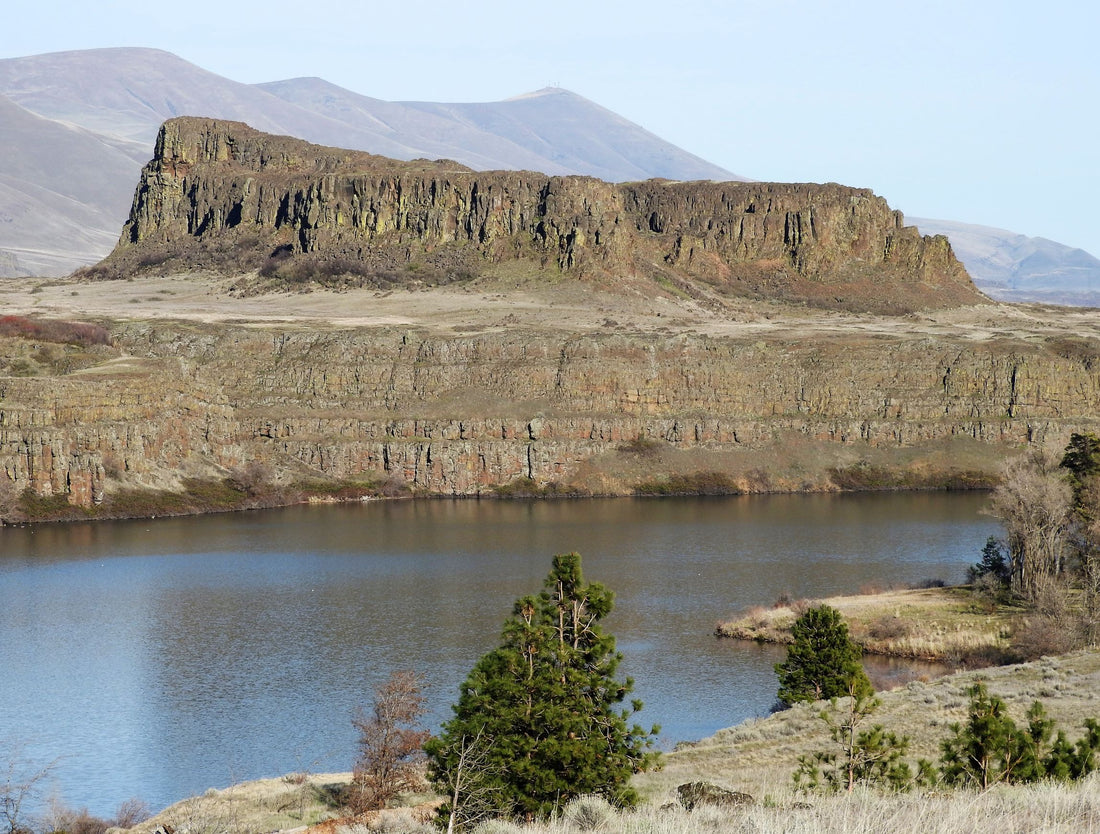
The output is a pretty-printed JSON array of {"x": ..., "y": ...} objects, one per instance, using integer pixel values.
[
  {"x": 253, "y": 477},
  {"x": 471, "y": 789},
  {"x": 22, "y": 782},
  {"x": 390, "y": 744},
  {"x": 131, "y": 812},
  {"x": 1034, "y": 501}
]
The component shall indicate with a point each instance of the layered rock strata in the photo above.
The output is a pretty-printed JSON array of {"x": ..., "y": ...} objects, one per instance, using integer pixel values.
[{"x": 461, "y": 415}]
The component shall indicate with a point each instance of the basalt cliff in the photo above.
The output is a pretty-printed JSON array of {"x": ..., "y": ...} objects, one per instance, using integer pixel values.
[
  {"x": 467, "y": 333},
  {"x": 223, "y": 196}
]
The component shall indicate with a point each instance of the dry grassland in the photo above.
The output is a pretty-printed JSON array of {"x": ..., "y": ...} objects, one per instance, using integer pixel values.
[
  {"x": 952, "y": 625},
  {"x": 759, "y": 756}
]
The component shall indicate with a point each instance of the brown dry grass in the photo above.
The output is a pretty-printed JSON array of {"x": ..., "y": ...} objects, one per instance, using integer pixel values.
[
  {"x": 511, "y": 298},
  {"x": 1052, "y": 809},
  {"x": 295, "y": 802},
  {"x": 948, "y": 624},
  {"x": 263, "y": 805}
]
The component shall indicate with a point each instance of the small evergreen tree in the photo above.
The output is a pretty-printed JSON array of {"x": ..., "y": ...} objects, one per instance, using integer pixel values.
[
  {"x": 545, "y": 709},
  {"x": 870, "y": 756},
  {"x": 992, "y": 576},
  {"x": 822, "y": 661},
  {"x": 994, "y": 564},
  {"x": 1082, "y": 460}
]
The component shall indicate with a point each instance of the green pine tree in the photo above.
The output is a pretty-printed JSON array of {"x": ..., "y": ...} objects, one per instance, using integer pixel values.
[
  {"x": 1082, "y": 459},
  {"x": 822, "y": 661},
  {"x": 858, "y": 755},
  {"x": 545, "y": 708}
]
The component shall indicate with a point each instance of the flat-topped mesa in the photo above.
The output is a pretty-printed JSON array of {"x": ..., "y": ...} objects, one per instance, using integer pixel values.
[{"x": 220, "y": 195}]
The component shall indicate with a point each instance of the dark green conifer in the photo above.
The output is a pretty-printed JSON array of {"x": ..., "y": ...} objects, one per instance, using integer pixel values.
[
  {"x": 545, "y": 710},
  {"x": 822, "y": 661},
  {"x": 1082, "y": 459}
]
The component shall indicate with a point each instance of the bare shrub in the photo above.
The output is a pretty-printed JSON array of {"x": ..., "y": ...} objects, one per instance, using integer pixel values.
[
  {"x": 930, "y": 582},
  {"x": 253, "y": 478},
  {"x": 640, "y": 446},
  {"x": 53, "y": 330},
  {"x": 759, "y": 480},
  {"x": 70, "y": 821},
  {"x": 390, "y": 744},
  {"x": 131, "y": 812},
  {"x": 394, "y": 486},
  {"x": 784, "y": 600},
  {"x": 697, "y": 483},
  {"x": 801, "y": 606},
  {"x": 1053, "y": 626},
  {"x": 887, "y": 627},
  {"x": 757, "y": 617},
  {"x": 20, "y": 785}
]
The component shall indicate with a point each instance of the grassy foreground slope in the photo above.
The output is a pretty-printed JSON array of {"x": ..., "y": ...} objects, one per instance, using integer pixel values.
[{"x": 757, "y": 757}]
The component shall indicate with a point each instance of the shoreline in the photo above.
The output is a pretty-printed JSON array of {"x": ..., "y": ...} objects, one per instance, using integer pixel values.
[
  {"x": 756, "y": 756},
  {"x": 173, "y": 504}
]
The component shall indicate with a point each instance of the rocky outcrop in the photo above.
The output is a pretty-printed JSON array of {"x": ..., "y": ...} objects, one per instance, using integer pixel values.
[
  {"x": 696, "y": 794},
  {"x": 461, "y": 415},
  {"x": 222, "y": 195}
]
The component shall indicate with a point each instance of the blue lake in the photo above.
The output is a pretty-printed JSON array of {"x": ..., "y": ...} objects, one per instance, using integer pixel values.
[{"x": 155, "y": 659}]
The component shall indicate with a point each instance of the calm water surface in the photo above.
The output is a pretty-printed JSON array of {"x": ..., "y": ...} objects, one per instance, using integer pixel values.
[{"x": 158, "y": 658}]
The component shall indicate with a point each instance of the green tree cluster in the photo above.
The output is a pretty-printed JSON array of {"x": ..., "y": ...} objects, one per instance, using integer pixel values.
[
  {"x": 988, "y": 748},
  {"x": 991, "y": 748},
  {"x": 539, "y": 719},
  {"x": 1082, "y": 461}
]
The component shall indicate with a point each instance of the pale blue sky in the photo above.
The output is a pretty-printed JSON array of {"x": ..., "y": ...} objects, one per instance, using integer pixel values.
[{"x": 976, "y": 111}]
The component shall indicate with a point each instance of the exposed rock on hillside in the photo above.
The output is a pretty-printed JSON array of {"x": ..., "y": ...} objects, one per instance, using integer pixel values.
[
  {"x": 221, "y": 195},
  {"x": 461, "y": 415}
]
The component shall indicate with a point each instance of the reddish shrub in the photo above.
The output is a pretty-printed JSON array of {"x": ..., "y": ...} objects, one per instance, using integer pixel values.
[{"x": 54, "y": 330}]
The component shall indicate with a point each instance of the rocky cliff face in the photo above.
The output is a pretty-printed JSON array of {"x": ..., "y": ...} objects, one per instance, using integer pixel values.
[
  {"x": 223, "y": 195},
  {"x": 462, "y": 407},
  {"x": 460, "y": 415}
]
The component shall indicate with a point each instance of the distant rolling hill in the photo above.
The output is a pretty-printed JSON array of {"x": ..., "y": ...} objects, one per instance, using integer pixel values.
[
  {"x": 80, "y": 125},
  {"x": 1014, "y": 267},
  {"x": 77, "y": 126},
  {"x": 62, "y": 191}
]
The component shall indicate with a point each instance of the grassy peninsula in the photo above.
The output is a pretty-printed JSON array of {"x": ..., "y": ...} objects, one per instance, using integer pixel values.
[{"x": 953, "y": 625}]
